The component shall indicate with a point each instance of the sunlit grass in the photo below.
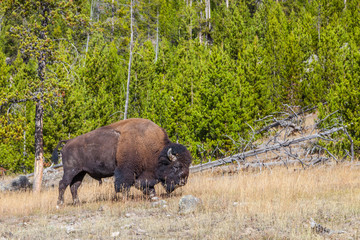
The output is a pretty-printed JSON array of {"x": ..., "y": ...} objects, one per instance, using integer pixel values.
[{"x": 269, "y": 204}]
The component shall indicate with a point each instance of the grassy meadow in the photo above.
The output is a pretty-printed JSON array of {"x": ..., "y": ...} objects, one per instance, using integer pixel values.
[{"x": 267, "y": 204}]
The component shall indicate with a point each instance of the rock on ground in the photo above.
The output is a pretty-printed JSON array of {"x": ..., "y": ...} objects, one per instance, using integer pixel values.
[
  {"x": 189, "y": 203},
  {"x": 16, "y": 184}
]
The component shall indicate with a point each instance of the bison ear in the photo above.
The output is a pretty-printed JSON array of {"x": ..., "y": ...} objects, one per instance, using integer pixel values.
[{"x": 170, "y": 155}]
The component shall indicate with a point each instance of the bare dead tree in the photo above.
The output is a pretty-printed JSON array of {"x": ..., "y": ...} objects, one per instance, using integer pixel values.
[
  {"x": 88, "y": 34},
  {"x": 157, "y": 36},
  {"x": 130, "y": 60},
  {"x": 289, "y": 141},
  {"x": 274, "y": 147}
]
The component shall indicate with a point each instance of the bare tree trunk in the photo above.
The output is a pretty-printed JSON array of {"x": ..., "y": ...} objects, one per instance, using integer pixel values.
[
  {"x": 227, "y": 4},
  {"x": 319, "y": 21},
  {"x": 190, "y": 21},
  {"x": 200, "y": 33},
  {"x": 157, "y": 37},
  {"x": 207, "y": 17},
  {"x": 209, "y": 13},
  {"x": 1, "y": 20},
  {"x": 88, "y": 35},
  {"x": 39, "y": 151},
  {"x": 130, "y": 60},
  {"x": 24, "y": 147},
  {"x": 112, "y": 20},
  {"x": 39, "y": 148}
]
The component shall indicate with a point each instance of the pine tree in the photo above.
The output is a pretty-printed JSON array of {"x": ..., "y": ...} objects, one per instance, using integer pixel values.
[{"x": 36, "y": 42}]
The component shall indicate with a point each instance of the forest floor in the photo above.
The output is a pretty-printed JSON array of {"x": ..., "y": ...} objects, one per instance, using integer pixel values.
[{"x": 268, "y": 204}]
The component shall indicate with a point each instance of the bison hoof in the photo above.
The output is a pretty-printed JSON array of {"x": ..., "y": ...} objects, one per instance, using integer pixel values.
[{"x": 59, "y": 204}]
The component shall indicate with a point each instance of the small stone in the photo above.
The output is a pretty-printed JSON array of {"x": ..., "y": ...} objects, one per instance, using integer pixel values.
[
  {"x": 20, "y": 183},
  {"x": 127, "y": 226},
  {"x": 70, "y": 229},
  {"x": 140, "y": 231},
  {"x": 188, "y": 204},
  {"x": 115, "y": 234},
  {"x": 3, "y": 187},
  {"x": 154, "y": 199},
  {"x": 128, "y": 215},
  {"x": 160, "y": 203},
  {"x": 16, "y": 184},
  {"x": 248, "y": 231}
]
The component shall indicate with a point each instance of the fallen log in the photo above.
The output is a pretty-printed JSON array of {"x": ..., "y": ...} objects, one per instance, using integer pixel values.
[
  {"x": 46, "y": 169},
  {"x": 281, "y": 163},
  {"x": 242, "y": 156}
]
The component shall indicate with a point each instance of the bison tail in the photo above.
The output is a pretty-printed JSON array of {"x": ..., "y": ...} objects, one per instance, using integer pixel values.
[{"x": 55, "y": 154}]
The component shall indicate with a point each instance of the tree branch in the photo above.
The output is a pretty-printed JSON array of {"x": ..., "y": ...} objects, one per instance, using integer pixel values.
[
  {"x": 12, "y": 101},
  {"x": 279, "y": 122}
]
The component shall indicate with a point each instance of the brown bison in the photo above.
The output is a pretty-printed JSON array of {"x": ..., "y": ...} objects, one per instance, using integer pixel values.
[{"x": 136, "y": 151}]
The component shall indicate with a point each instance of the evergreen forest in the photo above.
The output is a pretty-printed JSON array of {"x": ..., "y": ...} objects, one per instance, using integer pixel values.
[{"x": 204, "y": 70}]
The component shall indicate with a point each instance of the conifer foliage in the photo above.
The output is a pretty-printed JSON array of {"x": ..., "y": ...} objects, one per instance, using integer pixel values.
[{"x": 203, "y": 70}]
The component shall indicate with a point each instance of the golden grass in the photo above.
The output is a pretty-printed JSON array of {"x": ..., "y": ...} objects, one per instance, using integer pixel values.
[{"x": 273, "y": 204}]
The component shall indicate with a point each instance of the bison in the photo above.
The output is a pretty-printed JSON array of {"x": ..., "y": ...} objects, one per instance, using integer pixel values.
[{"x": 137, "y": 152}]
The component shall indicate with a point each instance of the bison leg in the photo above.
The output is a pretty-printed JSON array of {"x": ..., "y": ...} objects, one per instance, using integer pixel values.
[
  {"x": 123, "y": 180},
  {"x": 146, "y": 186},
  {"x": 64, "y": 182},
  {"x": 75, "y": 184},
  {"x": 148, "y": 191}
]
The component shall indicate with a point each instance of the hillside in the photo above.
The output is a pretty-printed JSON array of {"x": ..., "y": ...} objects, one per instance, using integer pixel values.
[{"x": 205, "y": 71}]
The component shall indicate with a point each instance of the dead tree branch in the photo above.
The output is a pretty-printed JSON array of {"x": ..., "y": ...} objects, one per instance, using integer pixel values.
[
  {"x": 255, "y": 152},
  {"x": 13, "y": 101},
  {"x": 46, "y": 169},
  {"x": 351, "y": 144},
  {"x": 280, "y": 122}
]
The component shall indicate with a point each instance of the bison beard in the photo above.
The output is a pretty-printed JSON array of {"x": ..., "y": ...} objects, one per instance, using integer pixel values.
[{"x": 137, "y": 152}]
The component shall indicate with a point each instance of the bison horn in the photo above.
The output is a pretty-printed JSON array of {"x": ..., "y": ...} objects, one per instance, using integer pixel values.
[{"x": 170, "y": 155}]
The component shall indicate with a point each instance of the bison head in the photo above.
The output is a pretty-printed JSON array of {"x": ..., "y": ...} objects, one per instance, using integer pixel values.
[{"x": 173, "y": 168}]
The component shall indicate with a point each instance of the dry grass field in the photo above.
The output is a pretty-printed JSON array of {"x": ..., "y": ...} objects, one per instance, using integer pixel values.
[{"x": 271, "y": 204}]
